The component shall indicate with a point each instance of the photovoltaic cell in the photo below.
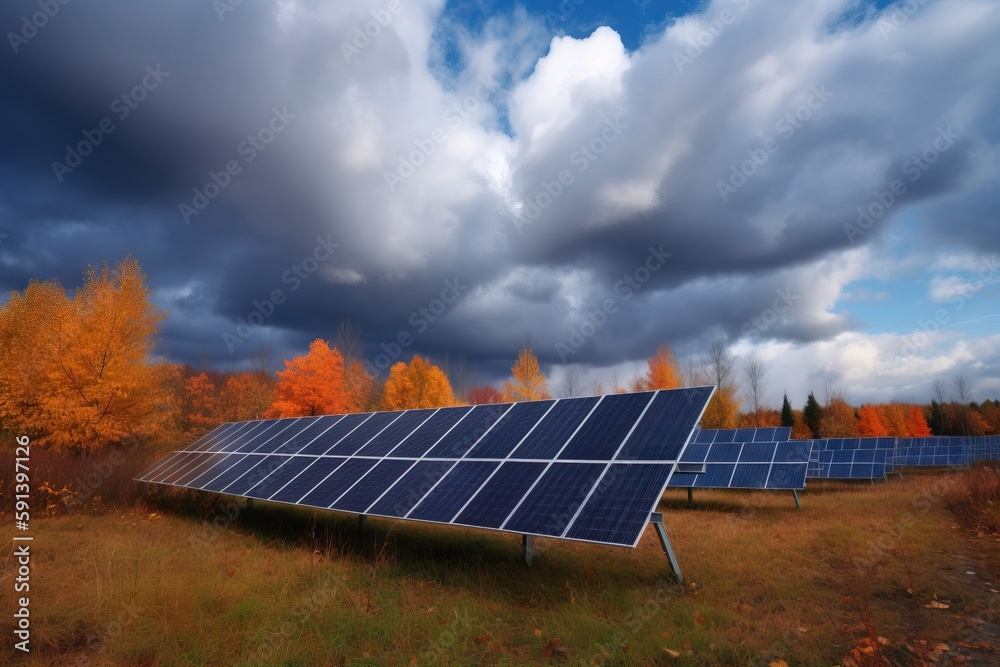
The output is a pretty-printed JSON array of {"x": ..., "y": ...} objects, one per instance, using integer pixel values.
[
  {"x": 360, "y": 436},
  {"x": 466, "y": 432},
  {"x": 664, "y": 428},
  {"x": 604, "y": 431},
  {"x": 299, "y": 486},
  {"x": 504, "y": 437},
  {"x": 334, "y": 434},
  {"x": 559, "y": 493},
  {"x": 368, "y": 488},
  {"x": 497, "y": 498},
  {"x": 410, "y": 488},
  {"x": 552, "y": 432},
  {"x": 432, "y": 430},
  {"x": 444, "y": 501},
  {"x": 619, "y": 508},
  {"x": 266, "y": 487},
  {"x": 388, "y": 439}
]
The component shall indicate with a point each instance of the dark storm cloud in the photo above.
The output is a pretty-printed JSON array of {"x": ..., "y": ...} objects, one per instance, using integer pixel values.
[{"x": 479, "y": 152}]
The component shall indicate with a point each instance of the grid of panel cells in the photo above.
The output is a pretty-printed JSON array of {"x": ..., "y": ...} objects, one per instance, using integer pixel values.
[
  {"x": 934, "y": 451},
  {"x": 762, "y": 458},
  {"x": 590, "y": 468},
  {"x": 852, "y": 458}
]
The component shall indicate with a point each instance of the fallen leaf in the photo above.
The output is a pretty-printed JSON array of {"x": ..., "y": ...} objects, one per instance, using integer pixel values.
[
  {"x": 672, "y": 654},
  {"x": 936, "y": 605},
  {"x": 413, "y": 660},
  {"x": 698, "y": 618},
  {"x": 538, "y": 633},
  {"x": 666, "y": 635},
  {"x": 482, "y": 639},
  {"x": 777, "y": 663},
  {"x": 803, "y": 628}
]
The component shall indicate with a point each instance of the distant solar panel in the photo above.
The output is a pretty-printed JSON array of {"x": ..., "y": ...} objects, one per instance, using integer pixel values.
[
  {"x": 744, "y": 459},
  {"x": 852, "y": 458},
  {"x": 589, "y": 469},
  {"x": 933, "y": 451}
]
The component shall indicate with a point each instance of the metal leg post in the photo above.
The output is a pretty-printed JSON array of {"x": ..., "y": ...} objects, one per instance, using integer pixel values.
[
  {"x": 796, "y": 495},
  {"x": 526, "y": 549},
  {"x": 249, "y": 503},
  {"x": 362, "y": 522},
  {"x": 657, "y": 520},
  {"x": 690, "y": 496}
]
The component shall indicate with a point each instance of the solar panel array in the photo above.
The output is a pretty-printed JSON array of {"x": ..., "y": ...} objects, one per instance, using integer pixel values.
[
  {"x": 589, "y": 469},
  {"x": 852, "y": 458},
  {"x": 934, "y": 451},
  {"x": 761, "y": 458},
  {"x": 985, "y": 448}
]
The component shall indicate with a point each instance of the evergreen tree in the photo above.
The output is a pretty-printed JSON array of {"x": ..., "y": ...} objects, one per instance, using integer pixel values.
[
  {"x": 787, "y": 415},
  {"x": 936, "y": 420},
  {"x": 812, "y": 414}
]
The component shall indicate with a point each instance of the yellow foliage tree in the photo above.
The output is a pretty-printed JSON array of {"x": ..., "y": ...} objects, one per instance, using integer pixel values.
[
  {"x": 419, "y": 384},
  {"x": 723, "y": 410},
  {"x": 311, "y": 384},
  {"x": 529, "y": 381},
  {"x": 662, "y": 371},
  {"x": 77, "y": 373}
]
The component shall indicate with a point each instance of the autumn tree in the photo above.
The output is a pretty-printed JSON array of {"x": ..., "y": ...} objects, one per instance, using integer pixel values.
[
  {"x": 800, "y": 429},
  {"x": 529, "y": 381},
  {"x": 870, "y": 422},
  {"x": 916, "y": 425},
  {"x": 311, "y": 384},
  {"x": 419, "y": 384},
  {"x": 723, "y": 410},
  {"x": 77, "y": 373},
  {"x": 754, "y": 373},
  {"x": 201, "y": 405},
  {"x": 362, "y": 388},
  {"x": 245, "y": 396},
  {"x": 484, "y": 394},
  {"x": 839, "y": 420},
  {"x": 662, "y": 371}
]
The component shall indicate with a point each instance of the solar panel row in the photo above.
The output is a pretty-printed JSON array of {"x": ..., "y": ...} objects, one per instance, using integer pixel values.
[
  {"x": 753, "y": 463},
  {"x": 588, "y": 469}
]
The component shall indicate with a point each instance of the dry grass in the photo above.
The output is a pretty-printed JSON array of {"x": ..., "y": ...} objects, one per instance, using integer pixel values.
[
  {"x": 976, "y": 501},
  {"x": 176, "y": 580}
]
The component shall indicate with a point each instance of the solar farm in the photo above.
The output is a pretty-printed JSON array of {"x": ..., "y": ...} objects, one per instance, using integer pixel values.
[{"x": 591, "y": 469}]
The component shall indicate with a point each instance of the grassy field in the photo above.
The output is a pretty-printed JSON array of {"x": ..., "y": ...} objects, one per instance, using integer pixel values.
[{"x": 188, "y": 579}]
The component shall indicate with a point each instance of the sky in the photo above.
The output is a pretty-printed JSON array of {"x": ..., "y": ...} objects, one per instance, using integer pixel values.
[{"x": 816, "y": 182}]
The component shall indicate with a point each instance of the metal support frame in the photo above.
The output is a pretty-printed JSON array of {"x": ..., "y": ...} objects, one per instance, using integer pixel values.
[
  {"x": 526, "y": 549},
  {"x": 690, "y": 496},
  {"x": 249, "y": 503},
  {"x": 656, "y": 518},
  {"x": 362, "y": 522},
  {"x": 795, "y": 494}
]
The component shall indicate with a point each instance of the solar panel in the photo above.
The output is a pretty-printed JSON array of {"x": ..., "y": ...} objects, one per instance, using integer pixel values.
[
  {"x": 743, "y": 459},
  {"x": 934, "y": 451},
  {"x": 852, "y": 458},
  {"x": 589, "y": 469}
]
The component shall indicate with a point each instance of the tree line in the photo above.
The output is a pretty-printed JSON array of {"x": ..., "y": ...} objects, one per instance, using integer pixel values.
[{"x": 81, "y": 372}]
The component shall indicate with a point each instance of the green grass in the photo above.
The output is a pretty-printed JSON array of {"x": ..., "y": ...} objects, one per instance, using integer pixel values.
[{"x": 163, "y": 583}]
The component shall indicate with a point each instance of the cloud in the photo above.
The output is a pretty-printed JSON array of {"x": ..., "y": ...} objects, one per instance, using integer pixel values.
[{"x": 538, "y": 170}]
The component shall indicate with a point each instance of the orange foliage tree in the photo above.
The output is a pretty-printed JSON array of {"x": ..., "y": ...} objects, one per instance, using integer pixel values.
[
  {"x": 838, "y": 419},
  {"x": 483, "y": 394},
  {"x": 245, "y": 396},
  {"x": 916, "y": 425},
  {"x": 311, "y": 384},
  {"x": 529, "y": 381},
  {"x": 662, "y": 371},
  {"x": 870, "y": 422},
  {"x": 419, "y": 384},
  {"x": 76, "y": 373},
  {"x": 201, "y": 398}
]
